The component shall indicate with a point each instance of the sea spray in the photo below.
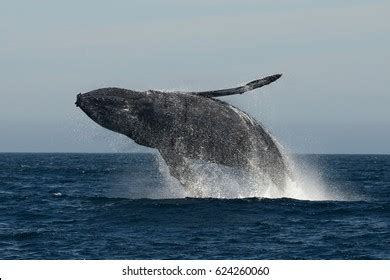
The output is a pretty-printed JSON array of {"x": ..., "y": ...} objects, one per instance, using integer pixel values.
[{"x": 217, "y": 181}]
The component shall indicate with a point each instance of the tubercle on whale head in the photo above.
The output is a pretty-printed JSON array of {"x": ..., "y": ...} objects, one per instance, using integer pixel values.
[{"x": 77, "y": 103}]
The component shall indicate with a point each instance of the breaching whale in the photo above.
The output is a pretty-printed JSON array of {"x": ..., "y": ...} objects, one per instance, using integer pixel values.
[{"x": 185, "y": 126}]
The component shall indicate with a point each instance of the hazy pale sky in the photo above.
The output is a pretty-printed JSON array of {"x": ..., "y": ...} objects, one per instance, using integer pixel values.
[{"x": 332, "y": 98}]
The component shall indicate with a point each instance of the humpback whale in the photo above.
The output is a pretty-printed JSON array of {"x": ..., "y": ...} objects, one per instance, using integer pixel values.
[{"x": 185, "y": 126}]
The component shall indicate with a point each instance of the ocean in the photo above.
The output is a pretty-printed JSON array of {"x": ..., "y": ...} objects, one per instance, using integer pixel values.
[{"x": 125, "y": 206}]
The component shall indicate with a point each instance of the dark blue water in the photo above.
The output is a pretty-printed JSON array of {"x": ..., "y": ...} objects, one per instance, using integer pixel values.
[{"x": 83, "y": 206}]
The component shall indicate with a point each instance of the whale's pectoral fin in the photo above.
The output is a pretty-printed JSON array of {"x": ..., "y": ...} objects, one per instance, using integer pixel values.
[
  {"x": 239, "y": 90},
  {"x": 180, "y": 169}
]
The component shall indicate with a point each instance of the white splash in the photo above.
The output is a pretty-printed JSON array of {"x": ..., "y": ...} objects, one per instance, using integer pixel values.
[{"x": 217, "y": 181}]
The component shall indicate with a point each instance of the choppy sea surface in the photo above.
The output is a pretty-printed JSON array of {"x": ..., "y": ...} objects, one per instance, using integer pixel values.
[{"x": 125, "y": 206}]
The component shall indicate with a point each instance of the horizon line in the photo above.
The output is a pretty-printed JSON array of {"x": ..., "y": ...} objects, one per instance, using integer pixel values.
[{"x": 298, "y": 153}]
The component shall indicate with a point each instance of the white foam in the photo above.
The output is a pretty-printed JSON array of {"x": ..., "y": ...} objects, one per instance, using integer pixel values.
[{"x": 216, "y": 181}]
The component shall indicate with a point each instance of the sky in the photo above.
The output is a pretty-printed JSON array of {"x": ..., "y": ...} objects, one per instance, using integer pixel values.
[{"x": 334, "y": 56}]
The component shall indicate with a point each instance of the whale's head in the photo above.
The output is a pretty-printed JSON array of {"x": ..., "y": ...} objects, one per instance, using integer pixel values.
[{"x": 124, "y": 111}]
